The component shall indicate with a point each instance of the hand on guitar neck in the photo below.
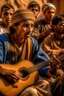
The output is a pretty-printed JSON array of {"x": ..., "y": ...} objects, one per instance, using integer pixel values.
[{"x": 55, "y": 63}]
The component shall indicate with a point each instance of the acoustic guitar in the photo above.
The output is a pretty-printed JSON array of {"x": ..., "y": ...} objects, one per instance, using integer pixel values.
[{"x": 30, "y": 76}]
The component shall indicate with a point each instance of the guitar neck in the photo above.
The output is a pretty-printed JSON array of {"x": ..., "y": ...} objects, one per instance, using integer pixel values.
[
  {"x": 44, "y": 64},
  {"x": 38, "y": 66}
]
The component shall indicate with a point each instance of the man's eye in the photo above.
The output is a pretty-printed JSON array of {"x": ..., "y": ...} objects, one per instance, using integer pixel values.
[
  {"x": 62, "y": 25},
  {"x": 35, "y": 10},
  {"x": 11, "y": 13},
  {"x": 26, "y": 25},
  {"x": 5, "y": 14},
  {"x": 32, "y": 25}
]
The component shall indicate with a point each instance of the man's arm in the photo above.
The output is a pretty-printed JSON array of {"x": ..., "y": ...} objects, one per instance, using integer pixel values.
[
  {"x": 11, "y": 75},
  {"x": 47, "y": 46}
]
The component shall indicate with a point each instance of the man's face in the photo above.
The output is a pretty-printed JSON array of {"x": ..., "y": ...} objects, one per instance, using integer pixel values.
[
  {"x": 6, "y": 16},
  {"x": 35, "y": 10},
  {"x": 49, "y": 14},
  {"x": 60, "y": 29},
  {"x": 24, "y": 29}
]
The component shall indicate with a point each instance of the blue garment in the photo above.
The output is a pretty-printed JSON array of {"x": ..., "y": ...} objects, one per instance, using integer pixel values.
[{"x": 38, "y": 55}]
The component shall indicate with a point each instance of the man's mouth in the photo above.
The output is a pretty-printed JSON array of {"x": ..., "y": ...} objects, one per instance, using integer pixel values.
[
  {"x": 9, "y": 21},
  {"x": 27, "y": 34}
]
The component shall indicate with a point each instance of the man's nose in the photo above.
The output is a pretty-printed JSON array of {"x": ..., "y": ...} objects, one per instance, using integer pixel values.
[
  {"x": 30, "y": 29},
  {"x": 9, "y": 16}
]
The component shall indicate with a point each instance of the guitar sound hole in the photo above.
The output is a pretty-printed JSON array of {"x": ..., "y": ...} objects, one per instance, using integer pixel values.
[{"x": 24, "y": 73}]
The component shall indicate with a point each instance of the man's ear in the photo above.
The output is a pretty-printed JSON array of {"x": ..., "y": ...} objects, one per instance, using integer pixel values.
[{"x": 14, "y": 26}]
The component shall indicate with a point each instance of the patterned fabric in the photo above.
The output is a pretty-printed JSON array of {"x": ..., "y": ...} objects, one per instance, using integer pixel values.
[
  {"x": 11, "y": 51},
  {"x": 3, "y": 29},
  {"x": 22, "y": 14},
  {"x": 41, "y": 26},
  {"x": 22, "y": 52},
  {"x": 48, "y": 5}
]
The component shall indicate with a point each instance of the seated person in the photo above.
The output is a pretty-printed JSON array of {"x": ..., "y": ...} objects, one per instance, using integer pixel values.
[
  {"x": 44, "y": 25},
  {"x": 6, "y": 14},
  {"x": 34, "y": 7},
  {"x": 18, "y": 46},
  {"x": 54, "y": 43}
]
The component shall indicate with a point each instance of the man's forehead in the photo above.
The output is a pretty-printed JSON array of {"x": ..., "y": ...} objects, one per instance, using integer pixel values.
[
  {"x": 27, "y": 21},
  {"x": 50, "y": 9},
  {"x": 7, "y": 9}
]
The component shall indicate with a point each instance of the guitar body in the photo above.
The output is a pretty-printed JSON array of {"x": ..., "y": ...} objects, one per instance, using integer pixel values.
[{"x": 7, "y": 89}]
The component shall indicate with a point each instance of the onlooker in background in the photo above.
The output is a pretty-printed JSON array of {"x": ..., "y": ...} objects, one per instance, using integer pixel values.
[
  {"x": 34, "y": 7},
  {"x": 54, "y": 43},
  {"x": 44, "y": 25},
  {"x": 6, "y": 14}
]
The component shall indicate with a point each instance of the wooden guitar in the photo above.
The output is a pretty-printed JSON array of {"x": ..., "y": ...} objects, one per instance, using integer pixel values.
[{"x": 30, "y": 75}]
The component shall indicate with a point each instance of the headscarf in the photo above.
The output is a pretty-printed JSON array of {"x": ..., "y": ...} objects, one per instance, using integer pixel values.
[
  {"x": 46, "y": 6},
  {"x": 22, "y": 14}
]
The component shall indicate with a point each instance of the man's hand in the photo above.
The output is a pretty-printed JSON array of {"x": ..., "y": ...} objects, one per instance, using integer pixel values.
[
  {"x": 44, "y": 34},
  {"x": 54, "y": 63},
  {"x": 11, "y": 75}
]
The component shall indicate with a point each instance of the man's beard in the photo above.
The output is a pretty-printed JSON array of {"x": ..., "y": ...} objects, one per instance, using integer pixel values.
[{"x": 62, "y": 32}]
